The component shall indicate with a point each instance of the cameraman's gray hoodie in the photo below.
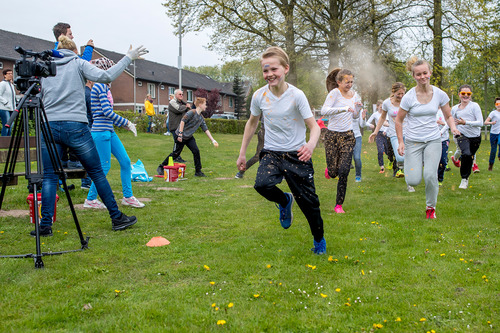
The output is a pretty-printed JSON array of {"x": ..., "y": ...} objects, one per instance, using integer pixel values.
[{"x": 63, "y": 95}]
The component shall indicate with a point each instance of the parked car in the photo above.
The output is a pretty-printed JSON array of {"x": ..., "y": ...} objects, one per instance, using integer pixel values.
[{"x": 223, "y": 116}]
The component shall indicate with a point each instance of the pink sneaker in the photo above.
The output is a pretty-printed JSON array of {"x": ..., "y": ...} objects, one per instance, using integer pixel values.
[
  {"x": 430, "y": 213},
  {"x": 93, "y": 204},
  {"x": 327, "y": 176},
  {"x": 339, "y": 210},
  {"x": 475, "y": 168},
  {"x": 456, "y": 162},
  {"x": 133, "y": 202}
]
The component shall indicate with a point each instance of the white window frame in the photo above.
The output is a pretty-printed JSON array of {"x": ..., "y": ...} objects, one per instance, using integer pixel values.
[
  {"x": 171, "y": 90},
  {"x": 152, "y": 90},
  {"x": 231, "y": 102},
  {"x": 189, "y": 96}
]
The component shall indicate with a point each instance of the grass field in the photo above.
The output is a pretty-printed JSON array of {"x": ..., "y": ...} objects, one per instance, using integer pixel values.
[{"x": 230, "y": 266}]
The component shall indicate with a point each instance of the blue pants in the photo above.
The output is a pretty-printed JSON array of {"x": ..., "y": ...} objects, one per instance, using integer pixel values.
[
  {"x": 357, "y": 156},
  {"x": 76, "y": 136},
  {"x": 108, "y": 143},
  {"x": 395, "y": 145},
  {"x": 494, "y": 143},
  {"x": 5, "y": 115},
  {"x": 150, "y": 122},
  {"x": 444, "y": 159}
]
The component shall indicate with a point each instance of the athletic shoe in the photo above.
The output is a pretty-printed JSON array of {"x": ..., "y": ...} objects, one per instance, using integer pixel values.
[
  {"x": 475, "y": 168},
  {"x": 464, "y": 184},
  {"x": 199, "y": 174},
  {"x": 410, "y": 189},
  {"x": 390, "y": 165},
  {"x": 357, "y": 179},
  {"x": 93, "y": 204},
  {"x": 179, "y": 160},
  {"x": 338, "y": 209},
  {"x": 239, "y": 175},
  {"x": 382, "y": 170},
  {"x": 166, "y": 133},
  {"x": 456, "y": 162},
  {"x": 430, "y": 213},
  {"x": 490, "y": 167},
  {"x": 123, "y": 222},
  {"x": 44, "y": 231},
  {"x": 85, "y": 187},
  {"x": 400, "y": 174},
  {"x": 319, "y": 247},
  {"x": 327, "y": 176},
  {"x": 133, "y": 202},
  {"x": 159, "y": 170},
  {"x": 440, "y": 184},
  {"x": 286, "y": 214}
]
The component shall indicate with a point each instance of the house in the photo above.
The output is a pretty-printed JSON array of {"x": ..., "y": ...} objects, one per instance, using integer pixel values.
[{"x": 154, "y": 78}]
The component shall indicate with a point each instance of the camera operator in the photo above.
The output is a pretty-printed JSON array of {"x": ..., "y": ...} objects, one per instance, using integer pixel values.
[{"x": 63, "y": 98}]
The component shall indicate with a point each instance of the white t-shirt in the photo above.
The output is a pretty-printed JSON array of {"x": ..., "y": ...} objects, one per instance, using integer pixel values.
[
  {"x": 422, "y": 125},
  {"x": 392, "y": 112},
  {"x": 283, "y": 117},
  {"x": 336, "y": 106},
  {"x": 495, "y": 115},
  {"x": 473, "y": 119},
  {"x": 373, "y": 120}
]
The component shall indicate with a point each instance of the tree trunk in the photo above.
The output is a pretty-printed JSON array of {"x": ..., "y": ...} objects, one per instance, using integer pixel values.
[{"x": 437, "y": 44}]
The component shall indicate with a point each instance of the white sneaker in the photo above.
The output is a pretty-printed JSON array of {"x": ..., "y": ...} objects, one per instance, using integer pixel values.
[
  {"x": 410, "y": 188},
  {"x": 133, "y": 202},
  {"x": 166, "y": 133},
  {"x": 464, "y": 184},
  {"x": 93, "y": 204}
]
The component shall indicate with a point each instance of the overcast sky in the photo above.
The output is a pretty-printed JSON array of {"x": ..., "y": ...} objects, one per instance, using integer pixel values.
[{"x": 112, "y": 24}]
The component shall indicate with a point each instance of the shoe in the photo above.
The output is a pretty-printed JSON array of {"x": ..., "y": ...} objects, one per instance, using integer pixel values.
[
  {"x": 327, "y": 176},
  {"x": 447, "y": 168},
  {"x": 338, "y": 209},
  {"x": 464, "y": 184},
  {"x": 456, "y": 162},
  {"x": 389, "y": 167},
  {"x": 286, "y": 215},
  {"x": 430, "y": 213},
  {"x": 319, "y": 247},
  {"x": 133, "y": 202},
  {"x": 490, "y": 167},
  {"x": 166, "y": 133},
  {"x": 410, "y": 189},
  {"x": 239, "y": 175},
  {"x": 357, "y": 179},
  {"x": 93, "y": 204},
  {"x": 475, "y": 168},
  {"x": 123, "y": 222},
  {"x": 199, "y": 174},
  {"x": 400, "y": 174},
  {"x": 45, "y": 231},
  {"x": 75, "y": 165},
  {"x": 179, "y": 160},
  {"x": 85, "y": 187},
  {"x": 159, "y": 170},
  {"x": 382, "y": 170},
  {"x": 440, "y": 184}
]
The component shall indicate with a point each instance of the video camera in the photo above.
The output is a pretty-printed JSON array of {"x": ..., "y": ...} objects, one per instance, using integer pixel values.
[{"x": 29, "y": 71}]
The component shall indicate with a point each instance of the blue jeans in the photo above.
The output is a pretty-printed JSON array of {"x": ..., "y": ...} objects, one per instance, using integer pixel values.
[
  {"x": 108, "y": 143},
  {"x": 395, "y": 145},
  {"x": 150, "y": 122},
  {"x": 5, "y": 115},
  {"x": 76, "y": 136},
  {"x": 494, "y": 143},
  {"x": 444, "y": 159},
  {"x": 357, "y": 156}
]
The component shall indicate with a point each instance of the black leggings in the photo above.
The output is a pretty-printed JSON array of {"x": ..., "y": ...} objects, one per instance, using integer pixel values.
[
  {"x": 338, "y": 148},
  {"x": 469, "y": 147}
]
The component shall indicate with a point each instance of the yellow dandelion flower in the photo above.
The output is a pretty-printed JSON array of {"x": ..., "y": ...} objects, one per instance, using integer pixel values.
[
  {"x": 398, "y": 319},
  {"x": 363, "y": 251},
  {"x": 216, "y": 308},
  {"x": 314, "y": 267},
  {"x": 213, "y": 305},
  {"x": 212, "y": 283},
  {"x": 323, "y": 295},
  {"x": 256, "y": 295},
  {"x": 330, "y": 258},
  {"x": 206, "y": 267},
  {"x": 442, "y": 254},
  {"x": 117, "y": 291},
  {"x": 422, "y": 320},
  {"x": 346, "y": 257},
  {"x": 280, "y": 284},
  {"x": 373, "y": 222},
  {"x": 337, "y": 290},
  {"x": 378, "y": 326},
  {"x": 347, "y": 304},
  {"x": 268, "y": 266},
  {"x": 362, "y": 272},
  {"x": 221, "y": 322},
  {"x": 1, "y": 232},
  {"x": 461, "y": 259},
  {"x": 230, "y": 305},
  {"x": 483, "y": 277}
]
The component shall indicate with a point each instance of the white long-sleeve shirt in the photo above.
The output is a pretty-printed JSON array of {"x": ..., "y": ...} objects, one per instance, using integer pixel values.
[
  {"x": 7, "y": 96},
  {"x": 336, "y": 108},
  {"x": 473, "y": 119}
]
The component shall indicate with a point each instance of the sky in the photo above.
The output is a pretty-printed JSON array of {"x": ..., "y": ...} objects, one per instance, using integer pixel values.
[{"x": 113, "y": 25}]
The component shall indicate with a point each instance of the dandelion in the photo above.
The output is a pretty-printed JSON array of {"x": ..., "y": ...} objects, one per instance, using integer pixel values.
[
  {"x": 268, "y": 266},
  {"x": 216, "y": 308},
  {"x": 256, "y": 295},
  {"x": 422, "y": 320},
  {"x": 323, "y": 295},
  {"x": 230, "y": 305},
  {"x": 330, "y": 258},
  {"x": 221, "y": 322},
  {"x": 117, "y": 291},
  {"x": 362, "y": 272},
  {"x": 212, "y": 283},
  {"x": 65, "y": 232},
  {"x": 347, "y": 304},
  {"x": 213, "y": 305},
  {"x": 442, "y": 254},
  {"x": 337, "y": 290},
  {"x": 206, "y": 267},
  {"x": 377, "y": 326},
  {"x": 1, "y": 232},
  {"x": 398, "y": 319}
]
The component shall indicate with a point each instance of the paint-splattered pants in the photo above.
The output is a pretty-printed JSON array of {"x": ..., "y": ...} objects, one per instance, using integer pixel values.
[
  {"x": 338, "y": 148},
  {"x": 275, "y": 165}
]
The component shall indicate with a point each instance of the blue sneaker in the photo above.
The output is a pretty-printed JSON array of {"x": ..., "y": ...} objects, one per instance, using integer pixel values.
[
  {"x": 286, "y": 215},
  {"x": 319, "y": 247},
  {"x": 357, "y": 179}
]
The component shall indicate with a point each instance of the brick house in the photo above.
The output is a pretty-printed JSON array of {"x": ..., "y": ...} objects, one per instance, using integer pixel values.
[{"x": 150, "y": 77}]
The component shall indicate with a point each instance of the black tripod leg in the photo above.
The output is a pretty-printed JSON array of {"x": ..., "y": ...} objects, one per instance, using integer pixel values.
[{"x": 38, "y": 256}]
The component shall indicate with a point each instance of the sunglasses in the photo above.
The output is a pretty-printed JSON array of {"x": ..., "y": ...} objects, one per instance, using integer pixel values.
[
  {"x": 465, "y": 93},
  {"x": 497, "y": 104}
]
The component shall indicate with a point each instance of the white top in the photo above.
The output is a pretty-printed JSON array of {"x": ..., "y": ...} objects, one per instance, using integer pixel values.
[
  {"x": 443, "y": 129},
  {"x": 336, "y": 106},
  {"x": 7, "y": 96},
  {"x": 473, "y": 119},
  {"x": 495, "y": 115},
  {"x": 374, "y": 120},
  {"x": 422, "y": 126},
  {"x": 283, "y": 117}
]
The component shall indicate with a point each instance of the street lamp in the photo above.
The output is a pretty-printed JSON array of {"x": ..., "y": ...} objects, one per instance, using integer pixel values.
[{"x": 179, "y": 63}]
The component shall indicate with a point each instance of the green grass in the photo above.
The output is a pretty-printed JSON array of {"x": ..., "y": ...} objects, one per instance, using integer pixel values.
[{"x": 386, "y": 260}]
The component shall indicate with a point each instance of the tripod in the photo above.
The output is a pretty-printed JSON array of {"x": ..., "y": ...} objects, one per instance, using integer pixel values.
[{"x": 30, "y": 108}]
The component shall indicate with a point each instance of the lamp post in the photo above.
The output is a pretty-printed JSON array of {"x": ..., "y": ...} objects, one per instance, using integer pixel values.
[
  {"x": 135, "y": 108},
  {"x": 179, "y": 62}
]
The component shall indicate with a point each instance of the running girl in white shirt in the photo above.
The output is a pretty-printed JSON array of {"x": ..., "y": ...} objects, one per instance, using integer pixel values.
[{"x": 494, "y": 120}]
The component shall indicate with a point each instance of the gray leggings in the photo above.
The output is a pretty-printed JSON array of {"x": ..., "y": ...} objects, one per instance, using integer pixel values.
[{"x": 427, "y": 154}]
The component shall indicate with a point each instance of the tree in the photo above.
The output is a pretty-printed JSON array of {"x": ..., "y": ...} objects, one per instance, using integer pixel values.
[
  {"x": 213, "y": 100},
  {"x": 239, "y": 101}
]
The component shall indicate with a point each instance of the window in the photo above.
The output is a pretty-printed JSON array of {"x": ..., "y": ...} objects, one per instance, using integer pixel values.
[
  {"x": 171, "y": 90},
  {"x": 189, "y": 97},
  {"x": 1, "y": 65},
  {"x": 231, "y": 102},
  {"x": 152, "y": 90}
]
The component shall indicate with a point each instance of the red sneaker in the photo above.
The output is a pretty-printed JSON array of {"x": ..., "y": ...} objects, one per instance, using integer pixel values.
[
  {"x": 430, "y": 213},
  {"x": 475, "y": 168},
  {"x": 338, "y": 209},
  {"x": 327, "y": 176},
  {"x": 456, "y": 162}
]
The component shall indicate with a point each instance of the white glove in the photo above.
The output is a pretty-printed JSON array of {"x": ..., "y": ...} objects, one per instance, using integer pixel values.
[
  {"x": 134, "y": 54},
  {"x": 131, "y": 127}
]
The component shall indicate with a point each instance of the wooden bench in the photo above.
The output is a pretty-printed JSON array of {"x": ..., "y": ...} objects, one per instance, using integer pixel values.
[{"x": 4, "y": 149}]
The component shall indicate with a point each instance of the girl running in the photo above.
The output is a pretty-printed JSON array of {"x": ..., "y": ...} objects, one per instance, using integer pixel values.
[{"x": 494, "y": 120}]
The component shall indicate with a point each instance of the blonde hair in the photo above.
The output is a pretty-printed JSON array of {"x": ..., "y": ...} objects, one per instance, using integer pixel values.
[
  {"x": 379, "y": 102},
  {"x": 278, "y": 52},
  {"x": 397, "y": 86},
  {"x": 66, "y": 43},
  {"x": 336, "y": 75},
  {"x": 414, "y": 61},
  {"x": 199, "y": 101}
]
